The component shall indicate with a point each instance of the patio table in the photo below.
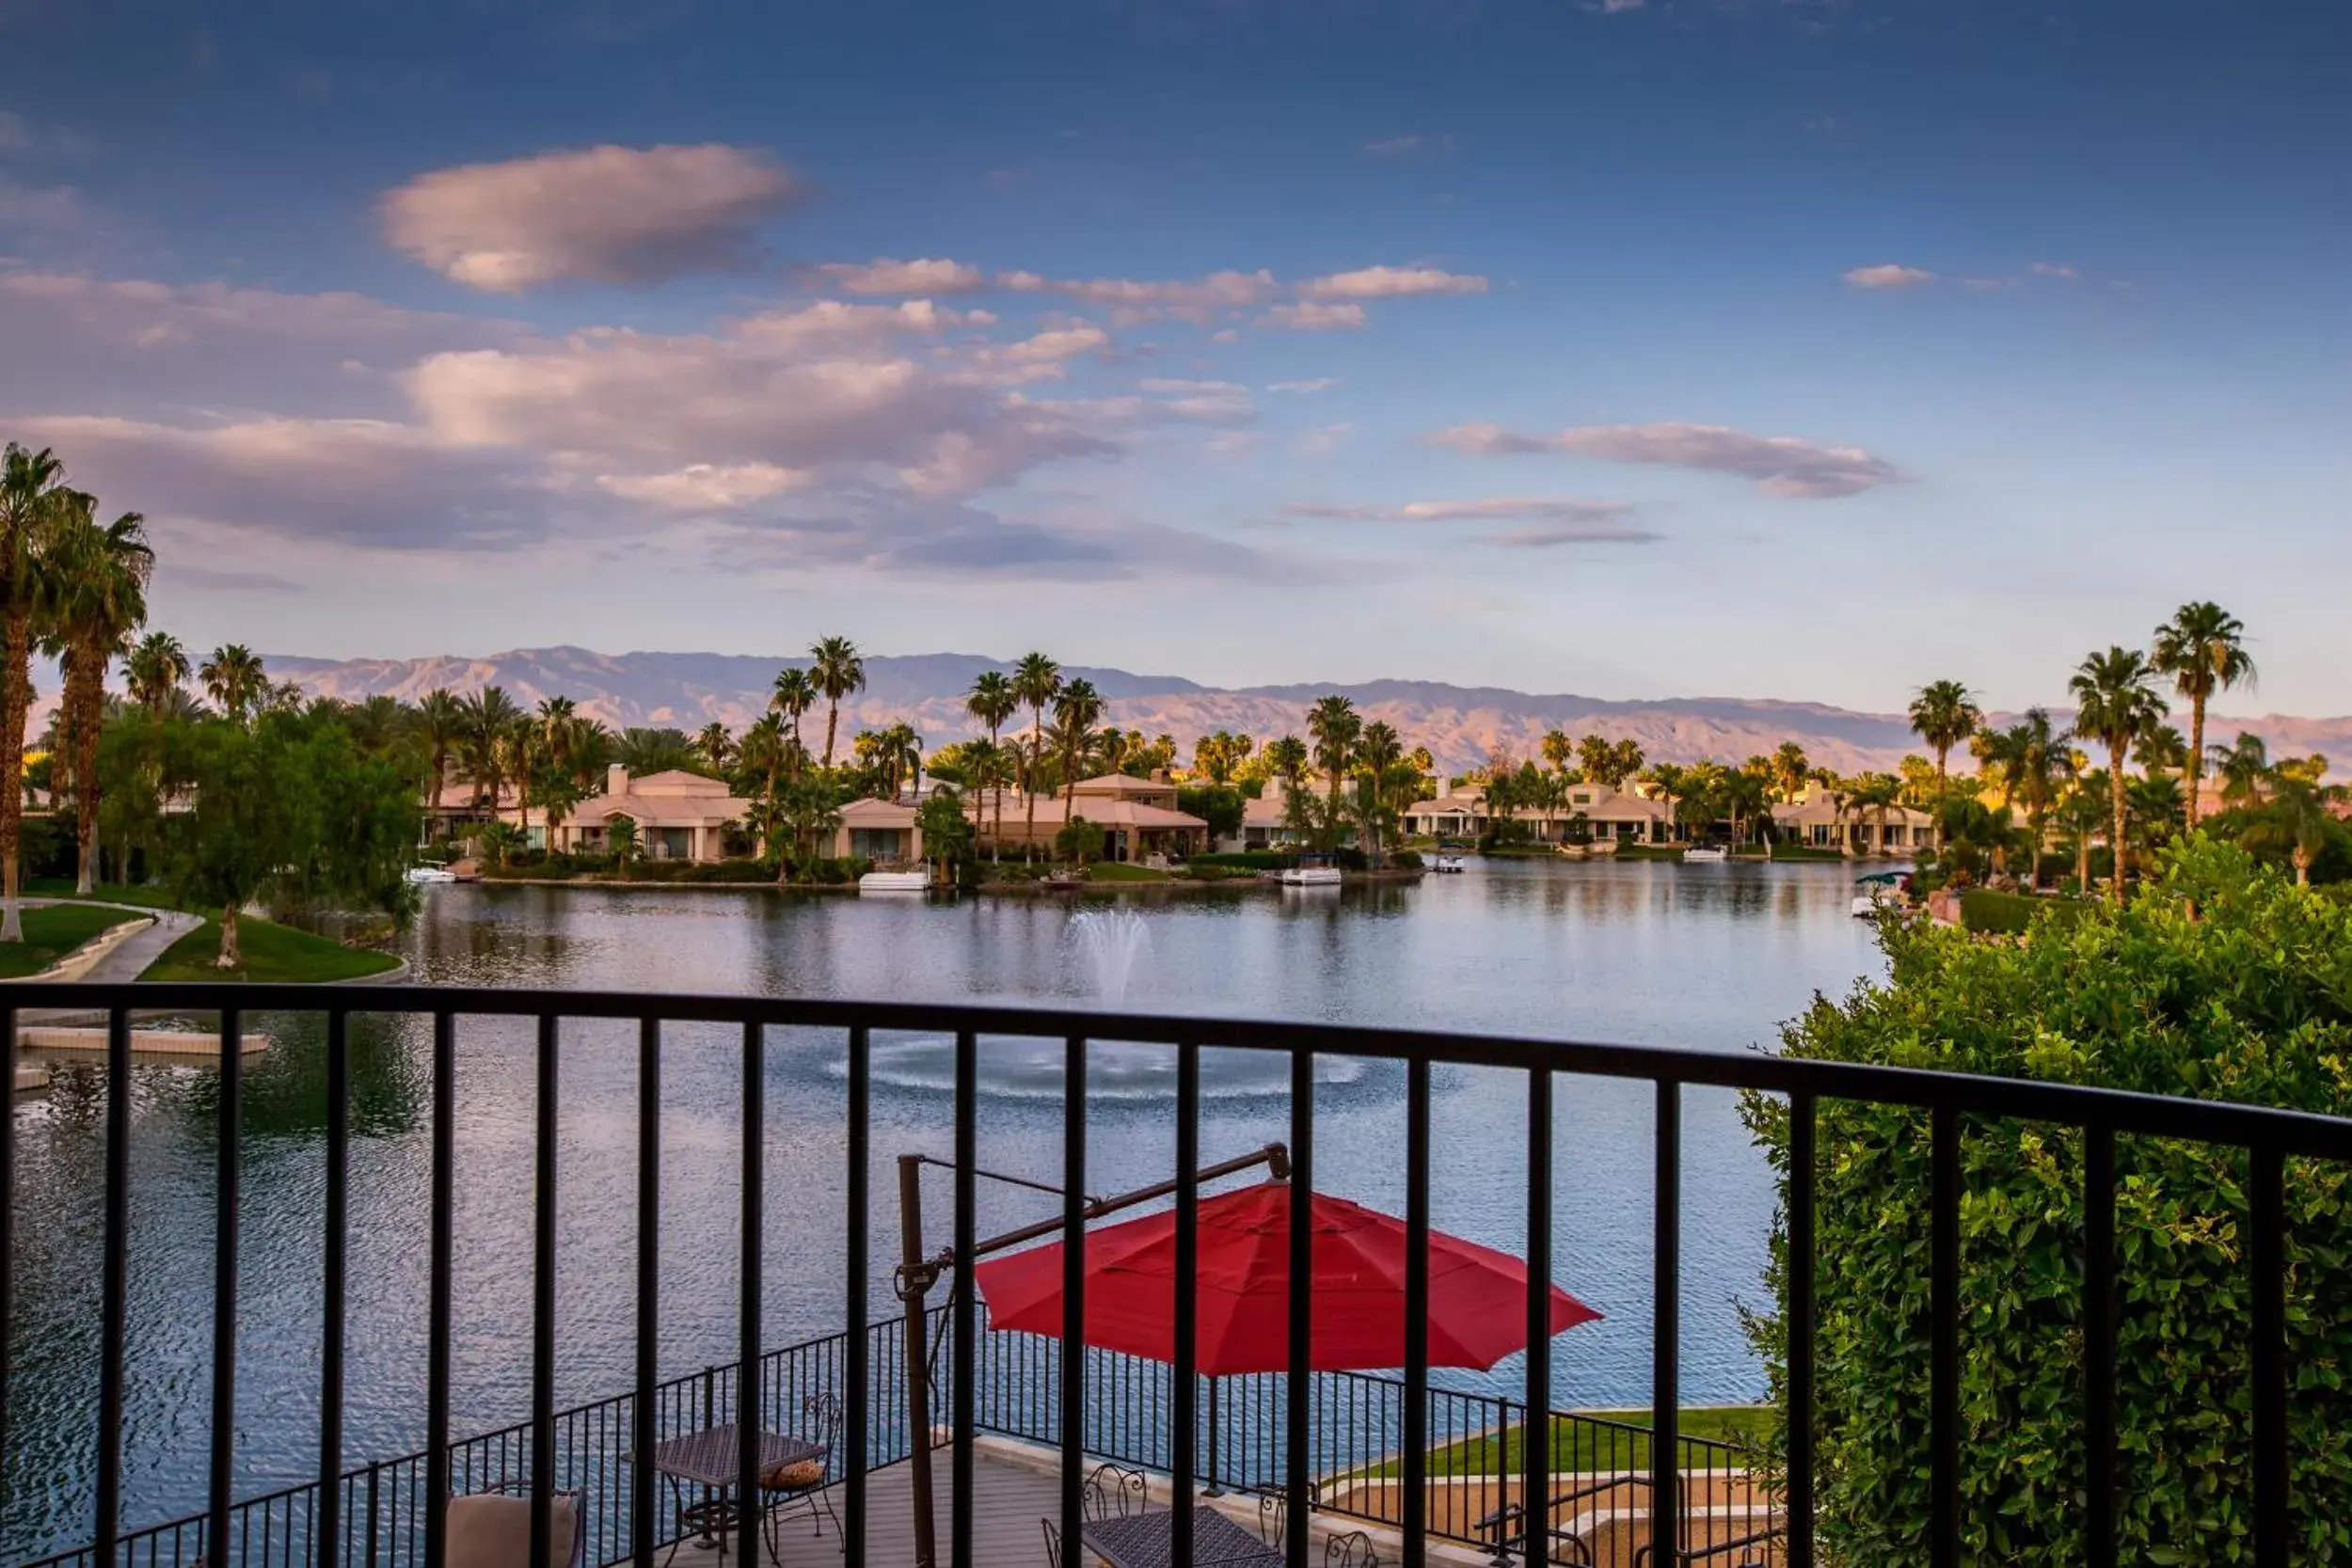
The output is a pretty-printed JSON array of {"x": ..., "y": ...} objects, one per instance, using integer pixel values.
[
  {"x": 1147, "y": 1541},
  {"x": 712, "y": 1459}
]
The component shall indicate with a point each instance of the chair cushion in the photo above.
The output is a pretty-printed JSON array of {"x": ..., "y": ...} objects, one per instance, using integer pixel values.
[
  {"x": 795, "y": 1475},
  {"x": 486, "y": 1530}
]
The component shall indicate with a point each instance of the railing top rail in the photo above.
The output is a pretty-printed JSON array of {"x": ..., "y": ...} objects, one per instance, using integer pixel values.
[{"x": 2295, "y": 1132}]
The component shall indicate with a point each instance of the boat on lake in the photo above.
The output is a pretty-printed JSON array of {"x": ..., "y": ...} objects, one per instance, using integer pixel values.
[
  {"x": 1881, "y": 890},
  {"x": 1449, "y": 858},
  {"x": 917, "y": 881},
  {"x": 1310, "y": 871},
  {"x": 426, "y": 875},
  {"x": 1706, "y": 852}
]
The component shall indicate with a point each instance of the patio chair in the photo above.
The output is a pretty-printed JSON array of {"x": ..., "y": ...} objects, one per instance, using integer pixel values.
[
  {"x": 1052, "y": 1544},
  {"x": 1350, "y": 1550},
  {"x": 492, "y": 1529},
  {"x": 805, "y": 1486},
  {"x": 1114, "y": 1492},
  {"x": 1274, "y": 1513}
]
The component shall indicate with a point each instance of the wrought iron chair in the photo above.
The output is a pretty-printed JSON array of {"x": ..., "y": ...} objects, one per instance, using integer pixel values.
[
  {"x": 1350, "y": 1550},
  {"x": 1052, "y": 1544},
  {"x": 1114, "y": 1492},
  {"x": 810, "y": 1495}
]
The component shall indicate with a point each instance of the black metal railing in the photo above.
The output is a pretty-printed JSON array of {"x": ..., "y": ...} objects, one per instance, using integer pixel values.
[{"x": 1295, "y": 1448}]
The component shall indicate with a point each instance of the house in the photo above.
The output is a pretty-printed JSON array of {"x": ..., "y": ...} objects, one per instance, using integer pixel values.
[
  {"x": 680, "y": 816},
  {"x": 1608, "y": 813},
  {"x": 884, "y": 832},
  {"x": 1820, "y": 821},
  {"x": 1138, "y": 817}
]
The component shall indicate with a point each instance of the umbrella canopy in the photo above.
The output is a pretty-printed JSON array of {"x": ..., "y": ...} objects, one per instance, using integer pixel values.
[{"x": 1477, "y": 1297}]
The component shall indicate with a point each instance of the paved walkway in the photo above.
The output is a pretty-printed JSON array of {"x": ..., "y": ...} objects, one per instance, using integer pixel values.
[{"x": 127, "y": 963}]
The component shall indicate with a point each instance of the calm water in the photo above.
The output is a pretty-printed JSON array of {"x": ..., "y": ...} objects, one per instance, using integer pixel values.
[{"x": 1678, "y": 955}]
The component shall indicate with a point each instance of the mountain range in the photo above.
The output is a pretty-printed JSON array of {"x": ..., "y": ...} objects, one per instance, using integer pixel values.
[{"x": 1460, "y": 725}]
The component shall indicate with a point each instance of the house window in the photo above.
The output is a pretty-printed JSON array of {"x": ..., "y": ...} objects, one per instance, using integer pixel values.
[{"x": 874, "y": 844}]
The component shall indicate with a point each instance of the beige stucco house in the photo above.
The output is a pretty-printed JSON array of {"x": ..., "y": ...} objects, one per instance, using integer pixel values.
[
  {"x": 1138, "y": 817},
  {"x": 1818, "y": 822},
  {"x": 680, "y": 816}
]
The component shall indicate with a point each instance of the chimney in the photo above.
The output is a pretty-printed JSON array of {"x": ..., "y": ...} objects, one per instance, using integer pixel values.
[
  {"x": 617, "y": 780},
  {"x": 1159, "y": 776}
]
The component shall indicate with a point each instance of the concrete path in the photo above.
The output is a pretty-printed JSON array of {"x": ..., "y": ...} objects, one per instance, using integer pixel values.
[{"x": 129, "y": 959}]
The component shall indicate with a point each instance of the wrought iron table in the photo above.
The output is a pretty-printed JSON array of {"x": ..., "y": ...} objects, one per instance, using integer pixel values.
[
  {"x": 712, "y": 1459},
  {"x": 1148, "y": 1541}
]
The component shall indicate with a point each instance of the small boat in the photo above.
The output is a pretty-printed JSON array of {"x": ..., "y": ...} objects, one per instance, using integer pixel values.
[
  {"x": 1880, "y": 889},
  {"x": 894, "y": 882},
  {"x": 1705, "y": 852},
  {"x": 425, "y": 876},
  {"x": 1448, "y": 859},
  {"x": 1310, "y": 871}
]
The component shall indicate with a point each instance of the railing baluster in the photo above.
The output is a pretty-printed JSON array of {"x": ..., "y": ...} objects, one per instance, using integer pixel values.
[
  {"x": 646, "y": 1425},
  {"x": 748, "y": 1263},
  {"x": 1944, "y": 1347},
  {"x": 441, "y": 1290},
  {"x": 1300, "y": 1324},
  {"x": 1803, "y": 1121},
  {"x": 965, "y": 1327},
  {"x": 115, "y": 1283},
  {"x": 8, "y": 1220},
  {"x": 1187, "y": 1303},
  {"x": 543, "y": 1298},
  {"x": 1073, "y": 1295},
  {"x": 860, "y": 1204},
  {"x": 2099, "y": 1347},
  {"x": 1535, "y": 1426},
  {"x": 2267, "y": 1173},
  {"x": 1665, "y": 1439},
  {"x": 1416, "y": 1433},
  {"x": 220, "y": 1494},
  {"x": 334, "y": 1259}
]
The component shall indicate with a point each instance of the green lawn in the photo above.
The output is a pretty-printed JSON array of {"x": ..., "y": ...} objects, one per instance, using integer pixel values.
[
  {"x": 1119, "y": 871},
  {"x": 1649, "y": 851},
  {"x": 271, "y": 953},
  {"x": 1580, "y": 1446},
  {"x": 1984, "y": 909},
  {"x": 51, "y": 932},
  {"x": 107, "y": 892}
]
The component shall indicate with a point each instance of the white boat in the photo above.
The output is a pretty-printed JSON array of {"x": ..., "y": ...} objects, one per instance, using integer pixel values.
[
  {"x": 1308, "y": 875},
  {"x": 425, "y": 875},
  {"x": 1451, "y": 864},
  {"x": 894, "y": 882},
  {"x": 1881, "y": 891},
  {"x": 1705, "y": 852}
]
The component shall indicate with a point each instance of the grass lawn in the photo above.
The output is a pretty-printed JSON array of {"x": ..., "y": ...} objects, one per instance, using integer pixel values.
[
  {"x": 1577, "y": 1446},
  {"x": 1984, "y": 909},
  {"x": 107, "y": 892},
  {"x": 1119, "y": 871},
  {"x": 51, "y": 932},
  {"x": 271, "y": 953},
  {"x": 1649, "y": 851}
]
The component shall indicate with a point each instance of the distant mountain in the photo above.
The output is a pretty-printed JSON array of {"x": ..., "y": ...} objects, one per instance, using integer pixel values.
[{"x": 1460, "y": 725}]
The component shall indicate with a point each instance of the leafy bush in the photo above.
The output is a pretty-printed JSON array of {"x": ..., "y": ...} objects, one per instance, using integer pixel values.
[
  {"x": 1404, "y": 860},
  {"x": 1247, "y": 860},
  {"x": 2222, "y": 980},
  {"x": 1983, "y": 910},
  {"x": 1219, "y": 805}
]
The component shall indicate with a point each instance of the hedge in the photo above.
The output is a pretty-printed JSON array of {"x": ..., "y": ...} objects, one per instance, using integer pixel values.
[{"x": 2222, "y": 980}]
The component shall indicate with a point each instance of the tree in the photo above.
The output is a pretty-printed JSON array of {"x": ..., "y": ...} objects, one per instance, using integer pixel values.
[
  {"x": 1079, "y": 840},
  {"x": 716, "y": 743},
  {"x": 2301, "y": 816},
  {"x": 2202, "y": 648},
  {"x": 2244, "y": 768},
  {"x": 1037, "y": 681},
  {"x": 992, "y": 701},
  {"x": 2161, "y": 749},
  {"x": 246, "y": 821},
  {"x": 2081, "y": 813},
  {"x": 442, "y": 722},
  {"x": 234, "y": 679},
  {"x": 1379, "y": 753},
  {"x": 1790, "y": 772},
  {"x": 647, "y": 751},
  {"x": 1559, "y": 750},
  {"x": 1219, "y": 757},
  {"x": 794, "y": 695},
  {"x": 2115, "y": 705},
  {"x": 947, "y": 834},
  {"x": 1335, "y": 726},
  {"x": 2242, "y": 1004},
  {"x": 2031, "y": 763},
  {"x": 155, "y": 671},
  {"x": 620, "y": 832},
  {"x": 91, "y": 597},
  {"x": 1076, "y": 710},
  {"x": 836, "y": 670},
  {"x": 1943, "y": 714},
  {"x": 33, "y": 494},
  {"x": 1607, "y": 762},
  {"x": 1876, "y": 793}
]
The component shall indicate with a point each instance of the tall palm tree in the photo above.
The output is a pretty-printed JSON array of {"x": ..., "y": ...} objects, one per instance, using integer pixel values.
[
  {"x": 1790, "y": 769},
  {"x": 32, "y": 493},
  {"x": 1036, "y": 681},
  {"x": 233, "y": 677},
  {"x": 1876, "y": 793},
  {"x": 157, "y": 669},
  {"x": 2116, "y": 703},
  {"x": 1559, "y": 750},
  {"x": 2161, "y": 749},
  {"x": 2203, "y": 649},
  {"x": 2244, "y": 769},
  {"x": 1076, "y": 710},
  {"x": 1943, "y": 714},
  {"x": 2031, "y": 762},
  {"x": 2082, "y": 812},
  {"x": 92, "y": 597},
  {"x": 766, "y": 755},
  {"x": 992, "y": 701},
  {"x": 793, "y": 696},
  {"x": 2301, "y": 814},
  {"x": 836, "y": 670},
  {"x": 441, "y": 725},
  {"x": 489, "y": 714},
  {"x": 1335, "y": 726},
  {"x": 716, "y": 743},
  {"x": 1378, "y": 750}
]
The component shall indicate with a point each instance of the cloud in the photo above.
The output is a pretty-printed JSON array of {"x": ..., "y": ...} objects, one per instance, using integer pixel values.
[
  {"x": 1392, "y": 147},
  {"x": 1614, "y": 7},
  {"x": 887, "y": 275},
  {"x": 2054, "y": 269},
  {"x": 1323, "y": 440},
  {"x": 1392, "y": 283},
  {"x": 1554, "y": 509},
  {"x": 1888, "y": 276},
  {"x": 1195, "y": 299},
  {"x": 704, "y": 487},
  {"x": 1319, "y": 384},
  {"x": 229, "y": 581},
  {"x": 1208, "y": 402},
  {"x": 1314, "y": 316},
  {"x": 1559, "y": 534},
  {"x": 1780, "y": 465},
  {"x": 603, "y": 215}
]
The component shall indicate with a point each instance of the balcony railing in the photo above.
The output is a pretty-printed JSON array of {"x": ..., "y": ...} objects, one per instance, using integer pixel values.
[{"x": 1302, "y": 1433}]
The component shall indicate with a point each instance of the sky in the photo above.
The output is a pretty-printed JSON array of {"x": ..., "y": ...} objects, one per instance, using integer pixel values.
[{"x": 1809, "y": 349}]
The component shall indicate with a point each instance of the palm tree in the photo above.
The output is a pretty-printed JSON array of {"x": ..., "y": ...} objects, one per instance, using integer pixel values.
[
  {"x": 795, "y": 694},
  {"x": 1378, "y": 750},
  {"x": 481, "y": 747},
  {"x": 1559, "y": 750},
  {"x": 2244, "y": 768},
  {"x": 2161, "y": 751},
  {"x": 1036, "y": 681},
  {"x": 2115, "y": 705},
  {"x": 1790, "y": 770},
  {"x": 233, "y": 677},
  {"x": 1943, "y": 714},
  {"x": 2203, "y": 649},
  {"x": 92, "y": 596},
  {"x": 1878, "y": 794},
  {"x": 157, "y": 669},
  {"x": 2301, "y": 813},
  {"x": 2081, "y": 813},
  {"x": 442, "y": 720},
  {"x": 1076, "y": 711},
  {"x": 1335, "y": 726},
  {"x": 716, "y": 743},
  {"x": 836, "y": 670},
  {"x": 2031, "y": 762},
  {"x": 992, "y": 701},
  {"x": 32, "y": 493},
  {"x": 766, "y": 755}
]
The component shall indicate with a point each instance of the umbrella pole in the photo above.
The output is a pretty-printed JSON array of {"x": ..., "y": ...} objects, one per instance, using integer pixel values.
[
  {"x": 914, "y": 1281},
  {"x": 1213, "y": 1490}
]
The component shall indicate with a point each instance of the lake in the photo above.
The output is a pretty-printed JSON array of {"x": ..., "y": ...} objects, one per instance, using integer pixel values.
[{"x": 1700, "y": 956}]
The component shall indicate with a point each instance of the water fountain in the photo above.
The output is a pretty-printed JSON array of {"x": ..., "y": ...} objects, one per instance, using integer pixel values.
[{"x": 1109, "y": 944}]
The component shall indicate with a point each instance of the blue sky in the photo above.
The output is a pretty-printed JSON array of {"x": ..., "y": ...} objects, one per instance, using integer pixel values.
[{"x": 1808, "y": 350}]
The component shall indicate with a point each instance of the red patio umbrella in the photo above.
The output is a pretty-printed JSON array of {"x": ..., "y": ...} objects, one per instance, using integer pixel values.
[{"x": 1477, "y": 1297}]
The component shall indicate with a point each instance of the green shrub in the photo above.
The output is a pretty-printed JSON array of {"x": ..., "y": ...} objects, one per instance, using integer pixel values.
[
  {"x": 1786, "y": 851},
  {"x": 2222, "y": 980},
  {"x": 1404, "y": 860},
  {"x": 1983, "y": 910},
  {"x": 1219, "y": 805}
]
